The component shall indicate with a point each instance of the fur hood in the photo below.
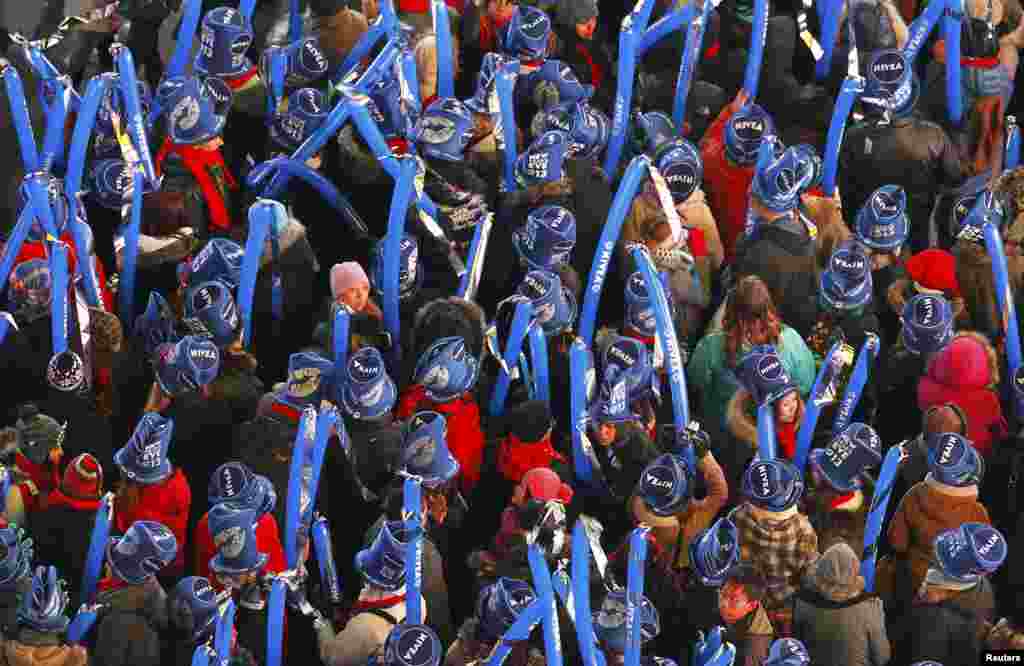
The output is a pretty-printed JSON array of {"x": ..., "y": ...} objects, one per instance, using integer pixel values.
[
  {"x": 944, "y": 370},
  {"x": 428, "y": 326},
  {"x": 738, "y": 422}
]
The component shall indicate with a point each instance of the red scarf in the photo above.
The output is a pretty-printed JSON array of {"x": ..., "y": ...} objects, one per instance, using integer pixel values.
[
  {"x": 596, "y": 70},
  {"x": 516, "y": 457},
  {"x": 58, "y": 498},
  {"x": 199, "y": 163},
  {"x": 785, "y": 435},
  {"x": 46, "y": 477},
  {"x": 239, "y": 81}
]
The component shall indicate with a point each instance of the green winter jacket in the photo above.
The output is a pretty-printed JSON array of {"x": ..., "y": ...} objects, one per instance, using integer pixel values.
[{"x": 714, "y": 383}]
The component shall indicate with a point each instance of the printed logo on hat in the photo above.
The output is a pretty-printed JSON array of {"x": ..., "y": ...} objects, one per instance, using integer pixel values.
[
  {"x": 949, "y": 445},
  {"x": 618, "y": 352},
  {"x": 659, "y": 478},
  {"x": 411, "y": 646},
  {"x": 536, "y": 26},
  {"x": 926, "y": 311},
  {"x": 203, "y": 356},
  {"x": 749, "y": 129},
  {"x": 885, "y": 204},
  {"x": 637, "y": 286},
  {"x": 849, "y": 262},
  {"x": 769, "y": 368},
  {"x": 230, "y": 542},
  {"x": 785, "y": 180},
  {"x": 436, "y": 129},
  {"x": 363, "y": 372},
  {"x": 680, "y": 176},
  {"x": 185, "y": 115},
  {"x": 232, "y": 480},
  {"x": 962, "y": 208},
  {"x": 303, "y": 382},
  {"x": 422, "y": 453},
  {"x": 312, "y": 58},
  {"x": 889, "y": 68},
  {"x": 201, "y": 588}
]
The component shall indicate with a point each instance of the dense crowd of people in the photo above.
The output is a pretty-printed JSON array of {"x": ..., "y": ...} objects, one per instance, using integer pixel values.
[{"x": 226, "y": 275}]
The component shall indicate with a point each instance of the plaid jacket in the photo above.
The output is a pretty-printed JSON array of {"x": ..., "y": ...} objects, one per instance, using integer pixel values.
[{"x": 780, "y": 549}]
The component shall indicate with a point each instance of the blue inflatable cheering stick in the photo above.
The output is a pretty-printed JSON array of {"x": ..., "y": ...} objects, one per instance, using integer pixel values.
[
  {"x": 400, "y": 200},
  {"x": 633, "y": 26},
  {"x": 96, "y": 553},
  {"x": 829, "y": 14},
  {"x": 876, "y": 514},
  {"x": 582, "y": 378},
  {"x": 385, "y": 26},
  {"x": 1011, "y": 158},
  {"x": 688, "y": 64},
  {"x": 1004, "y": 294},
  {"x": 504, "y": 84},
  {"x": 187, "y": 33},
  {"x": 671, "y": 22},
  {"x": 329, "y": 577},
  {"x": 520, "y": 631},
  {"x": 951, "y": 24},
  {"x": 513, "y": 346},
  {"x": 824, "y": 392},
  {"x": 262, "y": 214},
  {"x": 275, "y": 620},
  {"x": 635, "y": 593},
  {"x": 470, "y": 282},
  {"x": 443, "y": 32},
  {"x": 541, "y": 575},
  {"x": 539, "y": 361},
  {"x": 20, "y": 117},
  {"x": 133, "y": 109},
  {"x": 758, "y": 36},
  {"x": 304, "y": 437},
  {"x": 132, "y": 209},
  {"x": 412, "y": 514},
  {"x": 858, "y": 380},
  {"x": 590, "y": 651},
  {"x": 851, "y": 89}
]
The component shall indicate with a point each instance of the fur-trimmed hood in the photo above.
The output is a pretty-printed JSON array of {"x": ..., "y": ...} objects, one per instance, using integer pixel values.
[{"x": 738, "y": 421}]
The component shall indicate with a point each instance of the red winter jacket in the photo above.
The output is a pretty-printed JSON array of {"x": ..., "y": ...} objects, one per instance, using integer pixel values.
[
  {"x": 268, "y": 540},
  {"x": 727, "y": 185},
  {"x": 167, "y": 503},
  {"x": 465, "y": 438},
  {"x": 516, "y": 457}
]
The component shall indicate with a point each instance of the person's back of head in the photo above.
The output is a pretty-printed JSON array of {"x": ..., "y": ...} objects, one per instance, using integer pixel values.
[{"x": 126, "y": 639}]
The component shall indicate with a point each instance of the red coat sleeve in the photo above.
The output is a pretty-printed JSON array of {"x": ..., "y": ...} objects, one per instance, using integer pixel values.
[{"x": 268, "y": 540}]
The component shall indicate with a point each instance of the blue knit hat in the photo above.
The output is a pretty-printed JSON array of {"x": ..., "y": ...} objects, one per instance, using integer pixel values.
[
  {"x": 446, "y": 369},
  {"x": 846, "y": 282},
  {"x": 444, "y": 130},
  {"x": 715, "y": 551},
  {"x": 195, "y": 110},
  {"x": 587, "y": 127},
  {"x": 410, "y": 272},
  {"x": 142, "y": 552},
  {"x": 220, "y": 259},
  {"x": 144, "y": 458},
  {"x": 953, "y": 460},
  {"x": 156, "y": 325},
  {"x": 366, "y": 391},
  {"x": 970, "y": 551},
  {"x": 665, "y": 486},
  {"x": 544, "y": 160},
  {"x": 187, "y": 365},
  {"x": 306, "y": 111},
  {"x": 547, "y": 239},
  {"x": 640, "y": 315},
  {"x": 630, "y": 356},
  {"x": 850, "y": 453},
  {"x": 927, "y": 323},
  {"x": 233, "y": 530},
  {"x": 788, "y": 652},
  {"x": 310, "y": 377},
  {"x": 412, "y": 645},
  {"x": 480, "y": 102},
  {"x": 762, "y": 373},
  {"x": 891, "y": 82},
  {"x": 649, "y": 131},
  {"x": 778, "y": 184},
  {"x": 210, "y": 311},
  {"x": 555, "y": 83},
  {"x": 773, "y": 485},
  {"x": 425, "y": 450},
  {"x": 16, "y": 562},
  {"x": 42, "y": 606},
  {"x": 743, "y": 134},
  {"x": 526, "y": 35},
  {"x": 882, "y": 222},
  {"x": 499, "y": 606},
  {"x": 681, "y": 166},
  {"x": 234, "y": 482},
  {"x": 223, "y": 42},
  {"x": 194, "y": 608},
  {"x": 971, "y": 212},
  {"x": 610, "y": 621},
  {"x": 612, "y": 402},
  {"x": 383, "y": 563},
  {"x": 307, "y": 62},
  {"x": 554, "y": 306}
]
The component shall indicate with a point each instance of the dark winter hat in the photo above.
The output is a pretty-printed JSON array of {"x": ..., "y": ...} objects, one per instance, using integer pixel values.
[
  {"x": 42, "y": 607},
  {"x": 715, "y": 551},
  {"x": 83, "y": 478},
  {"x": 927, "y": 323},
  {"x": 233, "y": 529},
  {"x": 235, "y": 483},
  {"x": 307, "y": 62},
  {"x": 588, "y": 128},
  {"x": 630, "y": 356},
  {"x": 953, "y": 460},
  {"x": 891, "y": 82},
  {"x": 446, "y": 369},
  {"x": 778, "y": 184},
  {"x": 500, "y": 605},
  {"x": 640, "y": 315},
  {"x": 846, "y": 282},
  {"x": 187, "y": 365},
  {"x": 194, "y": 110},
  {"x": 444, "y": 130},
  {"x": 743, "y": 134},
  {"x": 681, "y": 166},
  {"x": 144, "y": 550},
  {"x": 220, "y": 259},
  {"x": 16, "y": 551},
  {"x": 412, "y": 645},
  {"x": 762, "y": 373},
  {"x": 526, "y": 35},
  {"x": 882, "y": 222},
  {"x": 649, "y": 131},
  {"x": 310, "y": 377},
  {"x": 552, "y": 84},
  {"x": 410, "y": 273},
  {"x": 480, "y": 102},
  {"x": 225, "y": 38},
  {"x": 544, "y": 160},
  {"x": 773, "y": 485},
  {"x": 194, "y": 608},
  {"x": 665, "y": 486},
  {"x": 610, "y": 621},
  {"x": 554, "y": 306},
  {"x": 425, "y": 450},
  {"x": 38, "y": 434},
  {"x": 970, "y": 551},
  {"x": 144, "y": 458},
  {"x": 612, "y": 403},
  {"x": 972, "y": 212},
  {"x": 366, "y": 391},
  {"x": 529, "y": 421},
  {"x": 156, "y": 325},
  {"x": 210, "y": 311},
  {"x": 849, "y": 454},
  {"x": 383, "y": 563},
  {"x": 788, "y": 652},
  {"x": 574, "y": 12},
  {"x": 547, "y": 239},
  {"x": 306, "y": 110},
  {"x": 31, "y": 290}
]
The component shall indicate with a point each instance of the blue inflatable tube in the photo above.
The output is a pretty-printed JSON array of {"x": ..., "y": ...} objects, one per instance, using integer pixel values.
[
  {"x": 851, "y": 89},
  {"x": 37, "y": 185},
  {"x": 443, "y": 31},
  {"x": 539, "y": 360},
  {"x": 329, "y": 577},
  {"x": 178, "y": 64},
  {"x": 767, "y": 447},
  {"x": 261, "y": 215},
  {"x": 85, "y": 619},
  {"x": 1004, "y": 294},
  {"x": 20, "y": 117},
  {"x": 520, "y": 631},
  {"x": 96, "y": 554},
  {"x": 758, "y": 35},
  {"x": 688, "y": 63},
  {"x": 413, "y": 516},
  {"x": 53, "y": 137},
  {"x": 513, "y": 346},
  {"x": 1011, "y": 159},
  {"x": 920, "y": 28},
  {"x": 581, "y": 364},
  {"x": 129, "y": 265},
  {"x": 14, "y": 243},
  {"x": 623, "y": 95},
  {"x": 823, "y": 393},
  {"x": 59, "y": 303},
  {"x": 858, "y": 380},
  {"x": 829, "y": 14},
  {"x": 590, "y": 651},
  {"x": 327, "y": 420},
  {"x": 340, "y": 335},
  {"x": 400, "y": 200},
  {"x": 303, "y": 439},
  {"x": 635, "y": 593},
  {"x": 224, "y": 633},
  {"x": 504, "y": 83},
  {"x": 325, "y": 188},
  {"x": 45, "y": 69},
  {"x": 951, "y": 21},
  {"x": 546, "y": 595},
  {"x": 133, "y": 110},
  {"x": 275, "y": 621},
  {"x": 665, "y": 26}
]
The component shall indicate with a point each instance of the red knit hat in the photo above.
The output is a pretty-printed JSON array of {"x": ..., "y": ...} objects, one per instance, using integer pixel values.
[
  {"x": 83, "y": 478},
  {"x": 934, "y": 272}
]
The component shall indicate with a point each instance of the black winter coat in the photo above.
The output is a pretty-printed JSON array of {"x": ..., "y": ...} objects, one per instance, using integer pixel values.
[{"x": 61, "y": 535}]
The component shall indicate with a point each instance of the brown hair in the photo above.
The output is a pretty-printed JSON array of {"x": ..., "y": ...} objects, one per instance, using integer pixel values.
[
  {"x": 750, "y": 314},
  {"x": 747, "y": 576}
]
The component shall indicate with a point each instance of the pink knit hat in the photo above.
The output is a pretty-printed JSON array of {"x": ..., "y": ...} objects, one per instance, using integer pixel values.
[{"x": 347, "y": 275}]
